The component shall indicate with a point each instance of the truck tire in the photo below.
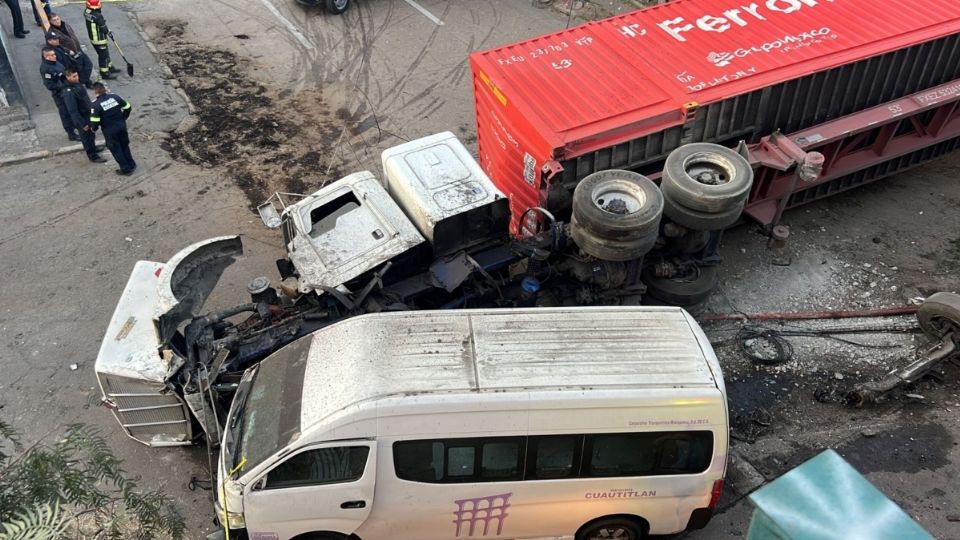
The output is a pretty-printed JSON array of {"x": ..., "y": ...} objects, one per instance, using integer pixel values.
[
  {"x": 691, "y": 243},
  {"x": 940, "y": 314},
  {"x": 682, "y": 291},
  {"x": 696, "y": 220},
  {"x": 337, "y": 6},
  {"x": 707, "y": 177},
  {"x": 616, "y": 215}
]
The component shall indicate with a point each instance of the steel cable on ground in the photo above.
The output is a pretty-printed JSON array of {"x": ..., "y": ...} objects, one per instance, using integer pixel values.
[{"x": 750, "y": 338}]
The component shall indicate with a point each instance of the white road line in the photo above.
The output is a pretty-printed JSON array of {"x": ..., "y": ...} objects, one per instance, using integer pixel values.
[
  {"x": 426, "y": 13},
  {"x": 297, "y": 33}
]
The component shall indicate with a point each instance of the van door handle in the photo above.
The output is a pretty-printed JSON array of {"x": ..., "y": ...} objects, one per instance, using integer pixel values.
[{"x": 354, "y": 504}]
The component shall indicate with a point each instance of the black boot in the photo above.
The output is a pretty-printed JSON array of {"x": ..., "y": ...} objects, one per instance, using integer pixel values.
[{"x": 108, "y": 76}]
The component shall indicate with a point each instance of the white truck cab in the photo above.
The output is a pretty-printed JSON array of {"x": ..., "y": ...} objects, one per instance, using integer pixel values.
[{"x": 580, "y": 423}]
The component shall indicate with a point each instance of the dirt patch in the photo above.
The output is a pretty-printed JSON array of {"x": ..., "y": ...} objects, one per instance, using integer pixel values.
[{"x": 266, "y": 139}]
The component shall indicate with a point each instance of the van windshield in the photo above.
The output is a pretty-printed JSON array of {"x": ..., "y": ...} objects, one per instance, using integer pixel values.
[{"x": 271, "y": 416}]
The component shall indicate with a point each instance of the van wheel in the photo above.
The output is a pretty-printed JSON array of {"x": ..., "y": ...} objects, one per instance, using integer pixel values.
[
  {"x": 611, "y": 529},
  {"x": 322, "y": 536},
  {"x": 337, "y": 6}
]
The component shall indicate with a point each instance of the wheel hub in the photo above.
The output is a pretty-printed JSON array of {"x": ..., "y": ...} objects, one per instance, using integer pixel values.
[
  {"x": 710, "y": 170},
  {"x": 615, "y": 200}
]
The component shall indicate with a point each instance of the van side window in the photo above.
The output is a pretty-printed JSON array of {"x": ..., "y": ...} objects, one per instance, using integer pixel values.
[
  {"x": 460, "y": 461},
  {"x": 547, "y": 457},
  {"x": 420, "y": 461},
  {"x": 554, "y": 457},
  {"x": 501, "y": 461},
  {"x": 497, "y": 459},
  {"x": 320, "y": 466},
  {"x": 647, "y": 454}
]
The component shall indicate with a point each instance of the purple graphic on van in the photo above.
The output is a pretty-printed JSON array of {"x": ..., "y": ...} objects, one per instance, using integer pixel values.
[{"x": 477, "y": 517}]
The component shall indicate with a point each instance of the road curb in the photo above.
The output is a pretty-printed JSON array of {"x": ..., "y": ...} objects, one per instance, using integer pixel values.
[{"x": 40, "y": 154}]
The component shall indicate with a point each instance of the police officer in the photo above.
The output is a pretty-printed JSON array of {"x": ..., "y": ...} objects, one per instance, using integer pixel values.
[
  {"x": 77, "y": 60},
  {"x": 18, "y": 29},
  {"x": 98, "y": 32},
  {"x": 46, "y": 10},
  {"x": 78, "y": 105},
  {"x": 54, "y": 79},
  {"x": 110, "y": 112}
]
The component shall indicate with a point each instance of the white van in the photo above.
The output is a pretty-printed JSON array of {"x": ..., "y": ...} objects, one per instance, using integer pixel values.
[{"x": 584, "y": 423}]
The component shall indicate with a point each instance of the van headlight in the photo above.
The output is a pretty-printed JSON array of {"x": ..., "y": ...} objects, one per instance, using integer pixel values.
[{"x": 234, "y": 519}]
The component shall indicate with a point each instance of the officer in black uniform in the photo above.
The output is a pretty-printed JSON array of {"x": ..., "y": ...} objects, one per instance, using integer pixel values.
[
  {"x": 78, "y": 105},
  {"x": 46, "y": 9},
  {"x": 18, "y": 29},
  {"x": 110, "y": 112},
  {"x": 53, "y": 78},
  {"x": 77, "y": 60}
]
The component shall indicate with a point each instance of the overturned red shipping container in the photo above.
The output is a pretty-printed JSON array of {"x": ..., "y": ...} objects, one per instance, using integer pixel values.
[{"x": 880, "y": 77}]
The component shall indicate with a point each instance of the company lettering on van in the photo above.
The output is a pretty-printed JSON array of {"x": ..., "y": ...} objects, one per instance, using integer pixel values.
[
  {"x": 735, "y": 17},
  {"x": 619, "y": 494}
]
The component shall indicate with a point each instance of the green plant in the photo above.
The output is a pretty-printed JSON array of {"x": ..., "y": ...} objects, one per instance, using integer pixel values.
[{"x": 76, "y": 487}]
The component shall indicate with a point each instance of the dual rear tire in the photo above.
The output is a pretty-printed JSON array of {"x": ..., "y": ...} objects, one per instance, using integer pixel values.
[
  {"x": 616, "y": 215},
  {"x": 705, "y": 186}
]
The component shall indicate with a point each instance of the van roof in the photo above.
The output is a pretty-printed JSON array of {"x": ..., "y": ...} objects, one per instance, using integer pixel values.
[{"x": 495, "y": 350}]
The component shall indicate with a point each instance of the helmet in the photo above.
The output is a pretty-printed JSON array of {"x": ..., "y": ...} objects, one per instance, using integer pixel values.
[{"x": 93, "y": 4}]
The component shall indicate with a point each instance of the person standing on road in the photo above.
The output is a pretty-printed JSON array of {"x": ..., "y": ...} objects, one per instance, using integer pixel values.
[
  {"x": 110, "y": 112},
  {"x": 68, "y": 38},
  {"x": 98, "y": 32},
  {"x": 77, "y": 60},
  {"x": 78, "y": 105},
  {"x": 36, "y": 14},
  {"x": 54, "y": 79},
  {"x": 18, "y": 29}
]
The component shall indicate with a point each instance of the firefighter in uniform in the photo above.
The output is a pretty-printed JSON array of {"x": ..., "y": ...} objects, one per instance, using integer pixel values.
[
  {"x": 110, "y": 113},
  {"x": 98, "y": 32},
  {"x": 54, "y": 79},
  {"x": 78, "y": 105}
]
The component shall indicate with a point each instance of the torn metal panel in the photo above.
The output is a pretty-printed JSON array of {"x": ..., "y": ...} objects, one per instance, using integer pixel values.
[
  {"x": 188, "y": 279},
  {"x": 346, "y": 229},
  {"x": 130, "y": 345}
]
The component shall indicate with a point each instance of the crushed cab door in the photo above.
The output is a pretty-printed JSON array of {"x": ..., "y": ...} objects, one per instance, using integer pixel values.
[{"x": 322, "y": 487}]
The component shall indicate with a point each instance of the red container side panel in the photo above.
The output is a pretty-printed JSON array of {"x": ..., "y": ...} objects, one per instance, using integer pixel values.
[
  {"x": 626, "y": 90},
  {"x": 580, "y": 83}
]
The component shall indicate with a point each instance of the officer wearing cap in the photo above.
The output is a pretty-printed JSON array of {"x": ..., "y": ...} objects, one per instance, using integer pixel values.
[
  {"x": 98, "y": 32},
  {"x": 68, "y": 38},
  {"x": 78, "y": 105},
  {"x": 77, "y": 60},
  {"x": 110, "y": 112},
  {"x": 55, "y": 80}
]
